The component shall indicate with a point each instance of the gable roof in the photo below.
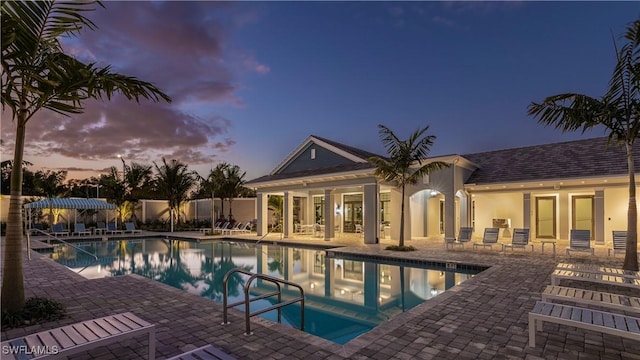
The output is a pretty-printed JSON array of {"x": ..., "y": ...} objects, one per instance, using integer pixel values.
[
  {"x": 348, "y": 152},
  {"x": 565, "y": 160}
]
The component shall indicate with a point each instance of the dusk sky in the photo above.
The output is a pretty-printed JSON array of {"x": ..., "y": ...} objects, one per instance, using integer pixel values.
[{"x": 250, "y": 81}]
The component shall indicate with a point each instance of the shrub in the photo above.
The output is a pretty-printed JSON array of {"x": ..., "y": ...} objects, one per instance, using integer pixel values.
[
  {"x": 400, "y": 248},
  {"x": 36, "y": 310}
]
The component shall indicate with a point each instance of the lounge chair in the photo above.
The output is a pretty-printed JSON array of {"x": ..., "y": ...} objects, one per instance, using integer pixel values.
[
  {"x": 601, "y": 278},
  {"x": 597, "y": 269},
  {"x": 131, "y": 227},
  {"x": 59, "y": 229},
  {"x": 593, "y": 320},
  {"x": 101, "y": 227},
  {"x": 79, "y": 337},
  {"x": 220, "y": 228},
  {"x": 235, "y": 227},
  {"x": 580, "y": 241},
  {"x": 243, "y": 229},
  {"x": 464, "y": 236},
  {"x": 207, "y": 352},
  {"x": 79, "y": 229},
  {"x": 489, "y": 239},
  {"x": 591, "y": 297},
  {"x": 619, "y": 243},
  {"x": 520, "y": 239},
  {"x": 113, "y": 229}
]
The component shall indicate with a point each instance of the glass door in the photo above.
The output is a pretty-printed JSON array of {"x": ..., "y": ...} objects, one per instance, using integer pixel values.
[
  {"x": 582, "y": 213},
  {"x": 352, "y": 212},
  {"x": 546, "y": 217}
]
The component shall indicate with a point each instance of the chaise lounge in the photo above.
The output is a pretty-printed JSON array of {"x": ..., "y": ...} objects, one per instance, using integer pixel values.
[{"x": 489, "y": 239}]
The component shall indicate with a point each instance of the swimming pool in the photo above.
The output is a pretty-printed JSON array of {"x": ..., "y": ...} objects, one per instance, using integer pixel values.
[{"x": 345, "y": 296}]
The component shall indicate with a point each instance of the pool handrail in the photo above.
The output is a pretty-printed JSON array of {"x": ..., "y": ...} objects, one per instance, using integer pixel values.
[
  {"x": 49, "y": 236},
  {"x": 269, "y": 232},
  {"x": 247, "y": 300}
]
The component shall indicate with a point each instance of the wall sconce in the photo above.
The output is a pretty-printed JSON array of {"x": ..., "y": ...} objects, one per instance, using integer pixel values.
[
  {"x": 338, "y": 209},
  {"x": 434, "y": 193},
  {"x": 434, "y": 291}
]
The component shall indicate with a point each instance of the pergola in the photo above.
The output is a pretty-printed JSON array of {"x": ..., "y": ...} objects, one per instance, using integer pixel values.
[{"x": 66, "y": 203}]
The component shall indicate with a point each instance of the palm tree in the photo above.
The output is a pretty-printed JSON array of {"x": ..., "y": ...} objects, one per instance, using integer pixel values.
[
  {"x": 50, "y": 184},
  {"x": 618, "y": 110},
  {"x": 174, "y": 181},
  {"x": 233, "y": 185},
  {"x": 405, "y": 163},
  {"x": 37, "y": 75},
  {"x": 212, "y": 185}
]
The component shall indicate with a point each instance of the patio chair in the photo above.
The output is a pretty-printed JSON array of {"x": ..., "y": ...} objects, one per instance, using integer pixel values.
[
  {"x": 619, "y": 243},
  {"x": 207, "y": 352},
  {"x": 489, "y": 238},
  {"x": 242, "y": 229},
  {"x": 131, "y": 227},
  {"x": 113, "y": 229},
  {"x": 464, "y": 236},
  {"x": 580, "y": 240},
  {"x": 520, "y": 239},
  {"x": 59, "y": 229},
  {"x": 220, "y": 228},
  {"x": 235, "y": 227},
  {"x": 79, "y": 229}
]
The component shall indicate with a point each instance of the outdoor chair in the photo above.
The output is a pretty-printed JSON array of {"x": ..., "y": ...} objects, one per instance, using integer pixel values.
[
  {"x": 235, "y": 227},
  {"x": 59, "y": 229},
  {"x": 113, "y": 229},
  {"x": 520, "y": 239},
  {"x": 79, "y": 229},
  {"x": 489, "y": 239},
  {"x": 131, "y": 227},
  {"x": 619, "y": 243},
  {"x": 220, "y": 228},
  {"x": 580, "y": 240},
  {"x": 464, "y": 236}
]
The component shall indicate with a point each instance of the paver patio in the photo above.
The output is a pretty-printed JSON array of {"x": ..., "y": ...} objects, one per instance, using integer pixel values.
[{"x": 483, "y": 318}]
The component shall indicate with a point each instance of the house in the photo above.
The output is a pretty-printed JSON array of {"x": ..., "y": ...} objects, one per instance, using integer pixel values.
[{"x": 549, "y": 189}]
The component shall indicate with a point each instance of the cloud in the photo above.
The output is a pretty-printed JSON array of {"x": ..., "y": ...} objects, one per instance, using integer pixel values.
[{"x": 181, "y": 47}]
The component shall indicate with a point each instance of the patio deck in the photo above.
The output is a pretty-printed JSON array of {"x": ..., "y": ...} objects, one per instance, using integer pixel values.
[{"x": 483, "y": 318}]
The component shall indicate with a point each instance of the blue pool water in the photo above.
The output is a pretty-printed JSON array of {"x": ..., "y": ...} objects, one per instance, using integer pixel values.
[{"x": 344, "y": 297}]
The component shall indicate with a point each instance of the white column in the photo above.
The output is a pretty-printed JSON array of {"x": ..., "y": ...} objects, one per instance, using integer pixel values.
[
  {"x": 598, "y": 217},
  {"x": 329, "y": 216},
  {"x": 526, "y": 210},
  {"x": 396, "y": 206},
  {"x": 263, "y": 221},
  {"x": 371, "y": 223},
  {"x": 287, "y": 204}
]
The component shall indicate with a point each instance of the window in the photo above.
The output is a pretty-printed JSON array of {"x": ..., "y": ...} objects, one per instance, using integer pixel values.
[
  {"x": 318, "y": 262},
  {"x": 385, "y": 208},
  {"x": 353, "y": 270},
  {"x": 318, "y": 205},
  {"x": 313, "y": 154}
]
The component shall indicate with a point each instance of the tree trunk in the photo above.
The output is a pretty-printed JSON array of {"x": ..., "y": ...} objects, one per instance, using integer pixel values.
[
  {"x": 401, "y": 242},
  {"x": 13, "y": 277},
  {"x": 631, "y": 253}
]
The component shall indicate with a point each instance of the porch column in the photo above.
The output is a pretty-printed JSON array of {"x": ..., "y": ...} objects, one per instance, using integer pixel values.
[
  {"x": 465, "y": 209},
  {"x": 329, "y": 216},
  {"x": 287, "y": 203},
  {"x": 564, "y": 218},
  {"x": 370, "y": 214},
  {"x": 261, "y": 225},
  {"x": 311, "y": 211},
  {"x": 598, "y": 214},
  {"x": 526, "y": 211},
  {"x": 449, "y": 214}
]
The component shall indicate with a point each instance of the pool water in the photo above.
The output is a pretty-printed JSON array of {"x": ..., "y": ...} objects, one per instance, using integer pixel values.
[{"x": 343, "y": 297}]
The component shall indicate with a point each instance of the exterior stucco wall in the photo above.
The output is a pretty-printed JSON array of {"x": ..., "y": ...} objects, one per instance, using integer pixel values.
[
  {"x": 616, "y": 202},
  {"x": 489, "y": 206}
]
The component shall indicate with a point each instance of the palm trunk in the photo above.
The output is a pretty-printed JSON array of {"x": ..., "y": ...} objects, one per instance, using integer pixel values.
[
  {"x": 631, "y": 253},
  {"x": 401, "y": 242},
  {"x": 13, "y": 276}
]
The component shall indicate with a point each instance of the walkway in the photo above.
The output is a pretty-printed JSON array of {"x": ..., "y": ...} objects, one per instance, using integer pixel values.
[{"x": 483, "y": 318}]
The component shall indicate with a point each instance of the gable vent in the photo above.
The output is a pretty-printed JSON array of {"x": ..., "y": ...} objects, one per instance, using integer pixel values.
[{"x": 313, "y": 154}]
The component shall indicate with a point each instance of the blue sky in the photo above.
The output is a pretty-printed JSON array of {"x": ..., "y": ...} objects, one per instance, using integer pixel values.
[{"x": 251, "y": 80}]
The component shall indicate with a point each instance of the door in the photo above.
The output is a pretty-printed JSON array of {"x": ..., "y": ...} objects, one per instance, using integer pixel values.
[
  {"x": 352, "y": 212},
  {"x": 546, "y": 217},
  {"x": 582, "y": 213}
]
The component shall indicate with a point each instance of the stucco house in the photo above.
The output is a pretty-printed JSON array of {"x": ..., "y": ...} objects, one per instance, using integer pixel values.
[{"x": 549, "y": 189}]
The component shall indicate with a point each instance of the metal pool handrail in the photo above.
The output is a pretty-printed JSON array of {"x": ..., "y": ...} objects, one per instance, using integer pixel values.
[
  {"x": 269, "y": 232},
  {"x": 95, "y": 257},
  {"x": 247, "y": 300}
]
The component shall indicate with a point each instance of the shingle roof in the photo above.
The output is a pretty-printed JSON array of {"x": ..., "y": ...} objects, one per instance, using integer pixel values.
[
  {"x": 350, "y": 149},
  {"x": 306, "y": 173},
  {"x": 565, "y": 160}
]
